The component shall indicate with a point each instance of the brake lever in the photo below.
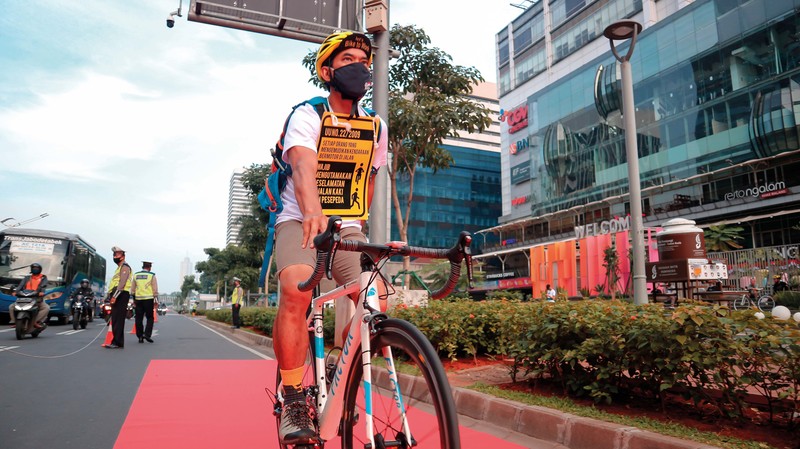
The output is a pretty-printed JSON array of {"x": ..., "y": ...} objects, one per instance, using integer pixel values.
[{"x": 464, "y": 242}]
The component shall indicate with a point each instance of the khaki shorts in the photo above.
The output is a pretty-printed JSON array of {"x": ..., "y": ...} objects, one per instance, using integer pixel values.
[{"x": 289, "y": 234}]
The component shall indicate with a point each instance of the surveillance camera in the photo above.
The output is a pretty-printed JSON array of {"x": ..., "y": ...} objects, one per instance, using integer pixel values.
[{"x": 170, "y": 21}]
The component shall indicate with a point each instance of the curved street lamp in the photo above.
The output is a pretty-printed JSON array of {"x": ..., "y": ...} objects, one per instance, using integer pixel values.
[
  {"x": 23, "y": 222},
  {"x": 624, "y": 30}
]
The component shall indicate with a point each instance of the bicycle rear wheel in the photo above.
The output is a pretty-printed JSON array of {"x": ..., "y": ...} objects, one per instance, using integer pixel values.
[
  {"x": 766, "y": 303},
  {"x": 425, "y": 394},
  {"x": 741, "y": 303}
]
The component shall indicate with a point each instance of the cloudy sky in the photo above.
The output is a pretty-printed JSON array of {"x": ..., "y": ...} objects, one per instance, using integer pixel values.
[{"x": 127, "y": 132}]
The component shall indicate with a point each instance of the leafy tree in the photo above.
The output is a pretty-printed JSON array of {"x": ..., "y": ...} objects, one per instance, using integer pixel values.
[
  {"x": 723, "y": 238},
  {"x": 189, "y": 284},
  {"x": 427, "y": 103},
  {"x": 233, "y": 261},
  {"x": 611, "y": 264}
]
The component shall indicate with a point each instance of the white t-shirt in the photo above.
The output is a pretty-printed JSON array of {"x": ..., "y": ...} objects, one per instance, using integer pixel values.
[{"x": 303, "y": 130}]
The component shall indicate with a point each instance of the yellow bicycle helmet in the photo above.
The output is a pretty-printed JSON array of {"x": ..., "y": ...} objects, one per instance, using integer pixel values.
[{"x": 336, "y": 41}]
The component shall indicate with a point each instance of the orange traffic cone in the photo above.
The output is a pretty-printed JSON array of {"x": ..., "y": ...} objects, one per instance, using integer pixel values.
[
  {"x": 109, "y": 335},
  {"x": 133, "y": 329},
  {"x": 155, "y": 316}
]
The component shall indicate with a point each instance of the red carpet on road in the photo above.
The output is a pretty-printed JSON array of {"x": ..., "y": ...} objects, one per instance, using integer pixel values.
[{"x": 215, "y": 404}]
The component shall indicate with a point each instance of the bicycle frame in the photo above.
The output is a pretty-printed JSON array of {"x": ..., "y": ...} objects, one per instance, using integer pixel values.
[{"x": 330, "y": 403}]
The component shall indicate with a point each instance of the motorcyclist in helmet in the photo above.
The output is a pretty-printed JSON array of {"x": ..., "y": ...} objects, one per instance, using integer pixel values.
[
  {"x": 38, "y": 282},
  {"x": 86, "y": 291}
]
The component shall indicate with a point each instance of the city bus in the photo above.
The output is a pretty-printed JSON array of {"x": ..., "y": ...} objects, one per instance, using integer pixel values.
[{"x": 65, "y": 258}]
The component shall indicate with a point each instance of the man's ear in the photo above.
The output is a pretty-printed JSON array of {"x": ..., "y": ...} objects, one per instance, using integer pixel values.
[{"x": 326, "y": 73}]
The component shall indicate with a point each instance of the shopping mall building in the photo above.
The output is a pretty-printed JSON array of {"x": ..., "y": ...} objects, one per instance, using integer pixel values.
[{"x": 717, "y": 95}]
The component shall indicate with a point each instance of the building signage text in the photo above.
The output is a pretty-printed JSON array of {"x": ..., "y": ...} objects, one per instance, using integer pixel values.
[
  {"x": 517, "y": 118},
  {"x": 521, "y": 172},
  {"x": 508, "y": 274},
  {"x": 520, "y": 200},
  {"x": 613, "y": 226},
  {"x": 519, "y": 145},
  {"x": 763, "y": 191}
]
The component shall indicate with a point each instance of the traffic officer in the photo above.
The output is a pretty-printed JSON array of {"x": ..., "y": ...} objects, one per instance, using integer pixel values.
[
  {"x": 144, "y": 290},
  {"x": 119, "y": 290},
  {"x": 236, "y": 302}
]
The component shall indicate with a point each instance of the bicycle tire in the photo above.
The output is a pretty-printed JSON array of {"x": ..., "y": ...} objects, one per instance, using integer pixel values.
[
  {"x": 742, "y": 303},
  {"x": 432, "y": 395},
  {"x": 308, "y": 379},
  {"x": 766, "y": 303}
]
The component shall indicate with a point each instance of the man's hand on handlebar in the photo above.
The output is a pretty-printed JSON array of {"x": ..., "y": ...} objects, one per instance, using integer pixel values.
[{"x": 312, "y": 225}]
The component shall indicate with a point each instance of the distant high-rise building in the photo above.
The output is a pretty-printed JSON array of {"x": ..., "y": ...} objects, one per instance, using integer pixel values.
[
  {"x": 186, "y": 270},
  {"x": 238, "y": 206}
]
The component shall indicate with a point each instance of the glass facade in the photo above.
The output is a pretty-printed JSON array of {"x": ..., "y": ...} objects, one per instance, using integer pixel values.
[
  {"x": 717, "y": 97},
  {"x": 466, "y": 196},
  {"x": 693, "y": 109}
]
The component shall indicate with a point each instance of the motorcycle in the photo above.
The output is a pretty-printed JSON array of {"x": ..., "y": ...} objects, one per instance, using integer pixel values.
[
  {"x": 106, "y": 311},
  {"x": 26, "y": 310},
  {"x": 81, "y": 312}
]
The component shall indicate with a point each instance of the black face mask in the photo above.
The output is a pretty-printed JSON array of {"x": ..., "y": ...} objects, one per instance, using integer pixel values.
[
  {"x": 352, "y": 81},
  {"x": 117, "y": 260},
  {"x": 36, "y": 270}
]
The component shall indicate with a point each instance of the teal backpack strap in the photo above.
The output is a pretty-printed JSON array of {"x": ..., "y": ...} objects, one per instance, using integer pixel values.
[{"x": 270, "y": 196}]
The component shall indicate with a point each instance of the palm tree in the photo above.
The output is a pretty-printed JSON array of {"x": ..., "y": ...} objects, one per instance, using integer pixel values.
[{"x": 723, "y": 238}]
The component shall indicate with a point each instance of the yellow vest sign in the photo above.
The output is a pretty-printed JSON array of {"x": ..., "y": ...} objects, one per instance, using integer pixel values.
[{"x": 344, "y": 161}]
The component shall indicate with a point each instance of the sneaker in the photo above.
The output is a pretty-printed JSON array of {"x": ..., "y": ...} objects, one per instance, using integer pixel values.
[{"x": 296, "y": 426}]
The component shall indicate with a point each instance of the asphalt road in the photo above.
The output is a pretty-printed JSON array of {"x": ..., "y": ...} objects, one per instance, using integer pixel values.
[{"x": 64, "y": 390}]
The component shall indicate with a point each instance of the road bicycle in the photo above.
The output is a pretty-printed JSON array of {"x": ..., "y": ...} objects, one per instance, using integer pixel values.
[
  {"x": 764, "y": 302},
  {"x": 388, "y": 387}
]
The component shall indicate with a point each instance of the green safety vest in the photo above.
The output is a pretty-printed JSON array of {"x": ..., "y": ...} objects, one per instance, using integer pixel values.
[
  {"x": 236, "y": 296},
  {"x": 115, "y": 280},
  {"x": 144, "y": 284}
]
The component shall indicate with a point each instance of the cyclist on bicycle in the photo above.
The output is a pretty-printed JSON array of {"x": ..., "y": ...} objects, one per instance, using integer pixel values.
[
  {"x": 779, "y": 285},
  {"x": 342, "y": 63}
]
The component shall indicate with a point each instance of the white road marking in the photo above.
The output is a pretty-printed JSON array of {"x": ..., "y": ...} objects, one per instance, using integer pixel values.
[
  {"x": 70, "y": 332},
  {"x": 7, "y": 348}
]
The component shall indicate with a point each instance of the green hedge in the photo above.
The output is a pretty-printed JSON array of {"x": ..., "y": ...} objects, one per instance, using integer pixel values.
[
  {"x": 790, "y": 299},
  {"x": 602, "y": 349},
  {"x": 263, "y": 318}
]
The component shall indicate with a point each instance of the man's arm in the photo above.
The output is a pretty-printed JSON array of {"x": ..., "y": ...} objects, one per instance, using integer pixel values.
[
  {"x": 304, "y": 175},
  {"x": 155, "y": 287},
  {"x": 124, "y": 274},
  {"x": 42, "y": 286}
]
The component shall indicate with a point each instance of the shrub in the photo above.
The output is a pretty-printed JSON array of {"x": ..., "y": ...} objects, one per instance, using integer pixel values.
[{"x": 790, "y": 299}]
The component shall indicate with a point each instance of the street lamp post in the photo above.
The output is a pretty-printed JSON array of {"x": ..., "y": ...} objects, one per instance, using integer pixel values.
[{"x": 621, "y": 31}]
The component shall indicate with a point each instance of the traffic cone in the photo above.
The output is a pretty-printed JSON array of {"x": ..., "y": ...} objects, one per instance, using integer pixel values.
[
  {"x": 155, "y": 315},
  {"x": 133, "y": 329},
  {"x": 109, "y": 335}
]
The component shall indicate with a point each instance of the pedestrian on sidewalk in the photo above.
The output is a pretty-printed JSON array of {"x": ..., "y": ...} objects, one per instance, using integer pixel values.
[{"x": 236, "y": 302}]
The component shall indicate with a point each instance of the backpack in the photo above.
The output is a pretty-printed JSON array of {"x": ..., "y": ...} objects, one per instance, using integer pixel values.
[{"x": 270, "y": 196}]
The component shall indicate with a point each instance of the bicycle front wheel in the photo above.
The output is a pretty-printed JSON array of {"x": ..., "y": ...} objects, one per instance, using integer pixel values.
[
  {"x": 766, "y": 303},
  {"x": 741, "y": 303},
  {"x": 423, "y": 393}
]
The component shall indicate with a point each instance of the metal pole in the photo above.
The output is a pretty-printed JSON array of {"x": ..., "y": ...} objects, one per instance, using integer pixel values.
[
  {"x": 632, "y": 152},
  {"x": 621, "y": 30},
  {"x": 379, "y": 213}
]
